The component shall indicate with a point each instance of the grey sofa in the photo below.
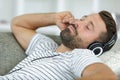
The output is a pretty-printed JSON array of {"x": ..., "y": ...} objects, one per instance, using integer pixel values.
[{"x": 11, "y": 53}]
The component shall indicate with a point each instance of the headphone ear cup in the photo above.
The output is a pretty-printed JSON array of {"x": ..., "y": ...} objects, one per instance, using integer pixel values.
[{"x": 97, "y": 48}]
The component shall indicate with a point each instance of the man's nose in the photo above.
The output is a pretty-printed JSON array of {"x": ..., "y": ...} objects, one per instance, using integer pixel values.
[{"x": 74, "y": 22}]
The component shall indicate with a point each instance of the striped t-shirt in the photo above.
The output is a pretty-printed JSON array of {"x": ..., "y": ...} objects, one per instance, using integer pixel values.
[{"x": 43, "y": 63}]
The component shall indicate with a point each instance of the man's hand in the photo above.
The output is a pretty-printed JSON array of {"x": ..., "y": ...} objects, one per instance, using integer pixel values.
[{"x": 63, "y": 18}]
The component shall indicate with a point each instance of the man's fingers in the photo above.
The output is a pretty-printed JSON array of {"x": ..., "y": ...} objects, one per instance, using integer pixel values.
[
  {"x": 63, "y": 18},
  {"x": 68, "y": 20},
  {"x": 62, "y": 26}
]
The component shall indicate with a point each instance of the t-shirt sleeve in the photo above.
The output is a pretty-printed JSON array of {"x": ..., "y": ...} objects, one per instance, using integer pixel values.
[
  {"x": 40, "y": 42},
  {"x": 81, "y": 59}
]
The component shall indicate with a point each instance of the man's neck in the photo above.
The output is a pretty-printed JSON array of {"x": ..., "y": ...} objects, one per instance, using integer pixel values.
[{"x": 63, "y": 48}]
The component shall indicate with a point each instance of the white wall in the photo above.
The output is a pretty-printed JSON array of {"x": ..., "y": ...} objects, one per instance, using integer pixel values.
[
  {"x": 6, "y": 10},
  {"x": 11, "y": 8}
]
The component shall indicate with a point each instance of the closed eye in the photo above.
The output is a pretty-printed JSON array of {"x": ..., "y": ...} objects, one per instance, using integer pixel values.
[{"x": 89, "y": 26}]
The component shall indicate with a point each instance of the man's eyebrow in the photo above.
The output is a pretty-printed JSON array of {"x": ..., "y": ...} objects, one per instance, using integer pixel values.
[{"x": 85, "y": 16}]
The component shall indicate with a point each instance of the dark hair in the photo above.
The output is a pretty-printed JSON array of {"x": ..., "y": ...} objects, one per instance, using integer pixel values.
[{"x": 110, "y": 26}]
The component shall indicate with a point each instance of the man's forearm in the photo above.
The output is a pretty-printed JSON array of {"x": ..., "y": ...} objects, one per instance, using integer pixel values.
[
  {"x": 24, "y": 26},
  {"x": 34, "y": 21}
]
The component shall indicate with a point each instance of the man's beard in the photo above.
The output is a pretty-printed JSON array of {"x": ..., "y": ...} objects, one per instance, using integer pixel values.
[{"x": 70, "y": 40}]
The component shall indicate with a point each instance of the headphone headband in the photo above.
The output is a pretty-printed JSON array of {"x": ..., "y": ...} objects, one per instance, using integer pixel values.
[{"x": 110, "y": 43}]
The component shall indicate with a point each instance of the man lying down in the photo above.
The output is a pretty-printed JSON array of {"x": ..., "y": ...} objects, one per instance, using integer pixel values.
[{"x": 76, "y": 58}]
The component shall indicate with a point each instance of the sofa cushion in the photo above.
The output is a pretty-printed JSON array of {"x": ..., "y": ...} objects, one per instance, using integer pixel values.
[{"x": 10, "y": 52}]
